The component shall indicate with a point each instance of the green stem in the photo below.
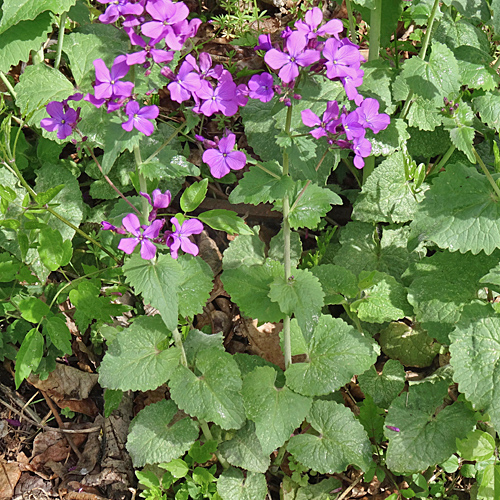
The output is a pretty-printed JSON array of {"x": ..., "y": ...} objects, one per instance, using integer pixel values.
[
  {"x": 487, "y": 173},
  {"x": 375, "y": 26},
  {"x": 208, "y": 436},
  {"x": 428, "y": 32},
  {"x": 32, "y": 193},
  {"x": 142, "y": 183},
  {"x": 60, "y": 40},
  {"x": 286, "y": 244},
  {"x": 6, "y": 82},
  {"x": 178, "y": 343},
  {"x": 442, "y": 162},
  {"x": 166, "y": 143},
  {"x": 353, "y": 316},
  {"x": 352, "y": 24}
]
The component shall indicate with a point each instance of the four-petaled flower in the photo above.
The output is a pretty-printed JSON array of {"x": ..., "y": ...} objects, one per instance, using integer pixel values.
[
  {"x": 160, "y": 200},
  {"x": 261, "y": 87},
  {"x": 140, "y": 235},
  {"x": 60, "y": 119},
  {"x": 179, "y": 238},
  {"x": 108, "y": 84},
  {"x": 288, "y": 63},
  {"x": 140, "y": 117},
  {"x": 223, "y": 159}
]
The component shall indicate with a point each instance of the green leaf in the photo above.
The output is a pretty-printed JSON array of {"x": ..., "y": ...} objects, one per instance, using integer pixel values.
[
  {"x": 384, "y": 300},
  {"x": 488, "y": 107},
  {"x": 276, "y": 247},
  {"x": 214, "y": 395},
  {"x": 263, "y": 183},
  {"x": 489, "y": 483},
  {"x": 139, "y": 358},
  {"x": 69, "y": 199},
  {"x": 233, "y": 485},
  {"x": 194, "y": 195},
  {"x": 474, "y": 357},
  {"x": 195, "y": 288},
  {"x": 277, "y": 412},
  {"x": 383, "y": 387},
  {"x": 57, "y": 331},
  {"x": 441, "y": 285},
  {"x": 202, "y": 453},
  {"x": 19, "y": 40},
  {"x": 112, "y": 401},
  {"x": 38, "y": 85},
  {"x": 157, "y": 435},
  {"x": 421, "y": 417},
  {"x": 117, "y": 140},
  {"x": 314, "y": 204},
  {"x": 300, "y": 295},
  {"x": 372, "y": 418},
  {"x": 9, "y": 267},
  {"x": 33, "y": 309},
  {"x": 410, "y": 345},
  {"x": 468, "y": 221},
  {"x": 427, "y": 144},
  {"x": 460, "y": 32},
  {"x": 388, "y": 141},
  {"x": 53, "y": 251},
  {"x": 424, "y": 115},
  {"x": 20, "y": 10},
  {"x": 29, "y": 355},
  {"x": 461, "y": 130},
  {"x": 253, "y": 298},
  {"x": 377, "y": 82},
  {"x": 177, "y": 467},
  {"x": 475, "y": 9},
  {"x": 436, "y": 78},
  {"x": 342, "y": 441},
  {"x": 244, "y": 450},
  {"x": 362, "y": 249},
  {"x": 197, "y": 341},
  {"x": 225, "y": 220},
  {"x": 44, "y": 198},
  {"x": 474, "y": 67},
  {"x": 245, "y": 249},
  {"x": 478, "y": 445},
  {"x": 337, "y": 283},
  {"x": 94, "y": 41},
  {"x": 335, "y": 353},
  {"x": 158, "y": 282}
]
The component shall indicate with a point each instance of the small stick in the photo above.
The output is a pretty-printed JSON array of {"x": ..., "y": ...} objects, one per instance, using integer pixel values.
[
  {"x": 352, "y": 485},
  {"x": 68, "y": 438}
]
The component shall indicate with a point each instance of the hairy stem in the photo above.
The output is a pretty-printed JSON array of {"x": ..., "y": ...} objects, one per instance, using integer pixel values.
[
  {"x": 487, "y": 173},
  {"x": 375, "y": 25},
  {"x": 286, "y": 244},
  {"x": 7, "y": 83},
  {"x": 142, "y": 184},
  {"x": 60, "y": 40},
  {"x": 352, "y": 23}
]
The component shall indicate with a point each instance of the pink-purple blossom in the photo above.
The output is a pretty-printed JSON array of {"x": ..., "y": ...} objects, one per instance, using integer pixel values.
[
  {"x": 140, "y": 118},
  {"x": 165, "y": 14},
  {"x": 326, "y": 124},
  {"x": 160, "y": 200},
  {"x": 119, "y": 8},
  {"x": 219, "y": 99},
  {"x": 141, "y": 235},
  {"x": 223, "y": 159},
  {"x": 108, "y": 84},
  {"x": 61, "y": 120},
  {"x": 313, "y": 18},
  {"x": 179, "y": 238},
  {"x": 342, "y": 58},
  {"x": 261, "y": 87},
  {"x": 149, "y": 52},
  {"x": 369, "y": 117},
  {"x": 184, "y": 83},
  {"x": 288, "y": 62}
]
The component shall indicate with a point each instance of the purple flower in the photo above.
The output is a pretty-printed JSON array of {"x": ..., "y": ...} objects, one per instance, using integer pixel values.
[
  {"x": 185, "y": 83},
  {"x": 261, "y": 87},
  {"x": 343, "y": 58},
  {"x": 221, "y": 99},
  {"x": 180, "y": 32},
  {"x": 288, "y": 63},
  {"x": 164, "y": 13},
  {"x": 352, "y": 128},
  {"x": 351, "y": 81},
  {"x": 141, "y": 235},
  {"x": 369, "y": 117},
  {"x": 392, "y": 428},
  {"x": 140, "y": 118},
  {"x": 159, "y": 201},
  {"x": 223, "y": 159},
  {"x": 362, "y": 148},
  {"x": 64, "y": 121},
  {"x": 264, "y": 43},
  {"x": 107, "y": 82},
  {"x": 324, "y": 126},
  {"x": 180, "y": 237},
  {"x": 149, "y": 52},
  {"x": 313, "y": 19},
  {"x": 119, "y": 8}
]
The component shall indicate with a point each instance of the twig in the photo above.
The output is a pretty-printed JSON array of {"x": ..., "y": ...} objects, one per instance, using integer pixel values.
[
  {"x": 349, "y": 488},
  {"x": 68, "y": 438},
  {"x": 22, "y": 404}
]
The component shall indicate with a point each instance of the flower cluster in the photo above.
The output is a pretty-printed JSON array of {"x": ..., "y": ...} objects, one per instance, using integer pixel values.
[
  {"x": 347, "y": 130},
  {"x": 148, "y": 236}
]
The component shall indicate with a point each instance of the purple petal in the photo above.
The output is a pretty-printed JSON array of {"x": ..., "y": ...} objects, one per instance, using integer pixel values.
[
  {"x": 289, "y": 72},
  {"x": 226, "y": 144},
  {"x": 153, "y": 29},
  {"x": 188, "y": 246},
  {"x": 123, "y": 89},
  {"x": 307, "y": 58},
  {"x": 131, "y": 224},
  {"x": 236, "y": 160},
  {"x": 136, "y": 58},
  {"x": 149, "y": 112},
  {"x": 101, "y": 71},
  {"x": 314, "y": 17},
  {"x": 296, "y": 43},
  {"x": 50, "y": 124},
  {"x": 192, "y": 226},
  {"x": 148, "y": 250},
  {"x": 128, "y": 245},
  {"x": 214, "y": 159},
  {"x": 276, "y": 59},
  {"x": 56, "y": 110},
  {"x": 309, "y": 119}
]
